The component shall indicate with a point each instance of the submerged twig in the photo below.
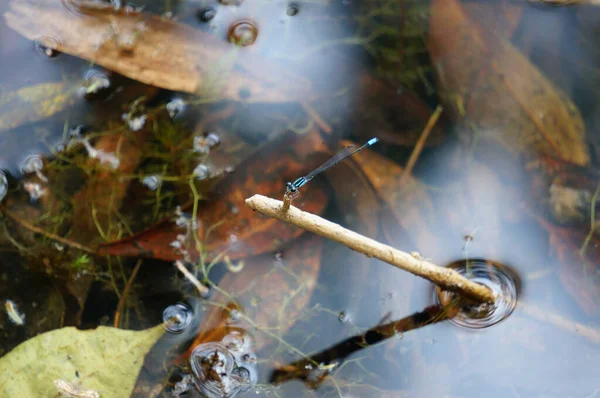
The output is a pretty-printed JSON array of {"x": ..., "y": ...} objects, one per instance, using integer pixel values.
[
  {"x": 190, "y": 277},
  {"x": 124, "y": 295},
  {"x": 47, "y": 234},
  {"x": 316, "y": 117},
  {"x": 446, "y": 278},
  {"x": 420, "y": 143}
]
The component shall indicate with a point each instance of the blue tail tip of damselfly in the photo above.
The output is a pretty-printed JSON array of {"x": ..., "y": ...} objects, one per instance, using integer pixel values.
[{"x": 372, "y": 141}]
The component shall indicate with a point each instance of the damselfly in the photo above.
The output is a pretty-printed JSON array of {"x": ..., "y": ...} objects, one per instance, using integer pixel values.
[{"x": 292, "y": 187}]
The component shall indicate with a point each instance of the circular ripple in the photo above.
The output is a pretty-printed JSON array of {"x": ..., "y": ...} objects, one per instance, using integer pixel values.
[
  {"x": 502, "y": 280},
  {"x": 47, "y": 46},
  {"x": 177, "y": 318}
]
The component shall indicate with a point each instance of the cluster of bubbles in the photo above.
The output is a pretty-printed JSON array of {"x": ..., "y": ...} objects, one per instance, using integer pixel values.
[
  {"x": 225, "y": 368},
  {"x": 177, "y": 318},
  {"x": 152, "y": 182}
]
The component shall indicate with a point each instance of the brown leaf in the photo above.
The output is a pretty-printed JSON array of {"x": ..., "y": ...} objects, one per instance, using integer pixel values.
[
  {"x": 105, "y": 190},
  {"x": 235, "y": 229},
  {"x": 577, "y": 269},
  {"x": 270, "y": 291},
  {"x": 398, "y": 116},
  {"x": 161, "y": 52},
  {"x": 408, "y": 201},
  {"x": 503, "y": 96}
]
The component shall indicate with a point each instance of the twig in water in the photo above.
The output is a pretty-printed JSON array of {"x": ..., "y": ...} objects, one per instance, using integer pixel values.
[
  {"x": 446, "y": 278},
  {"x": 47, "y": 234},
  {"x": 190, "y": 277},
  {"x": 125, "y": 291},
  {"x": 316, "y": 117},
  {"x": 420, "y": 143}
]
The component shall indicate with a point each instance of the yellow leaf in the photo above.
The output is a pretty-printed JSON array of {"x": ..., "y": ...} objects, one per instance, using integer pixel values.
[{"x": 107, "y": 360}]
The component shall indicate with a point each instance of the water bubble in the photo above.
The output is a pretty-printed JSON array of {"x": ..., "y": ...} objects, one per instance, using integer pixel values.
[
  {"x": 47, "y": 46},
  {"x": 292, "y": 10},
  {"x": 213, "y": 140},
  {"x": 175, "y": 107},
  {"x": 207, "y": 14},
  {"x": 152, "y": 182},
  {"x": 344, "y": 317},
  {"x": 34, "y": 164},
  {"x": 95, "y": 83},
  {"x": 502, "y": 280},
  {"x": 135, "y": 123},
  {"x": 201, "y": 172},
  {"x": 212, "y": 365},
  {"x": 177, "y": 318},
  {"x": 3, "y": 185},
  {"x": 243, "y": 33}
]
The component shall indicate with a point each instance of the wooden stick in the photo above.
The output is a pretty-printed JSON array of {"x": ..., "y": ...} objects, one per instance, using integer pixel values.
[
  {"x": 203, "y": 290},
  {"x": 125, "y": 292},
  {"x": 447, "y": 278}
]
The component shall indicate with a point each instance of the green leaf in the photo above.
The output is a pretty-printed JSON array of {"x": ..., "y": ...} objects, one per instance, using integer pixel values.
[
  {"x": 107, "y": 360},
  {"x": 35, "y": 103}
]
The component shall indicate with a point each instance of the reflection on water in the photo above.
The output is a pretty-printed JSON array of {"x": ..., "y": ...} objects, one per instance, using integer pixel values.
[{"x": 266, "y": 91}]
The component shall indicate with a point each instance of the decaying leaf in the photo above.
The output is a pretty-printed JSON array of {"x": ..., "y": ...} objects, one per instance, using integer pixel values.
[
  {"x": 153, "y": 50},
  {"x": 107, "y": 361},
  {"x": 31, "y": 104},
  {"x": 270, "y": 290},
  {"x": 498, "y": 93},
  {"x": 236, "y": 230},
  {"x": 378, "y": 106},
  {"x": 407, "y": 199}
]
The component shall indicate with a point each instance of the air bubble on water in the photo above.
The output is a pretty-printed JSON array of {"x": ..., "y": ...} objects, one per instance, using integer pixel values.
[
  {"x": 175, "y": 107},
  {"x": 201, "y": 172},
  {"x": 207, "y": 14},
  {"x": 3, "y": 185},
  {"x": 33, "y": 164},
  {"x": 292, "y": 10},
  {"x": 243, "y": 33},
  {"x": 152, "y": 182},
  {"x": 213, "y": 140},
  {"x": 177, "y": 318},
  {"x": 95, "y": 81},
  {"x": 344, "y": 317},
  {"x": 47, "y": 46}
]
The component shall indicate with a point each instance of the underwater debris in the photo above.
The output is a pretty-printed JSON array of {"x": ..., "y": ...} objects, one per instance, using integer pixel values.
[
  {"x": 175, "y": 107},
  {"x": 35, "y": 190},
  {"x": 33, "y": 164},
  {"x": 73, "y": 391},
  {"x": 104, "y": 157},
  {"x": 224, "y": 369},
  {"x": 13, "y": 313}
]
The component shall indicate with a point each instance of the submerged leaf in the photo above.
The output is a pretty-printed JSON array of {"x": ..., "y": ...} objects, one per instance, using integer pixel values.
[
  {"x": 154, "y": 50},
  {"x": 32, "y": 104},
  {"x": 270, "y": 290},
  {"x": 107, "y": 361},
  {"x": 498, "y": 93},
  {"x": 226, "y": 225}
]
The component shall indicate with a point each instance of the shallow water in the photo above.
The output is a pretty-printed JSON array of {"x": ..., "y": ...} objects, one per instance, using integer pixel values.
[{"x": 352, "y": 70}]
